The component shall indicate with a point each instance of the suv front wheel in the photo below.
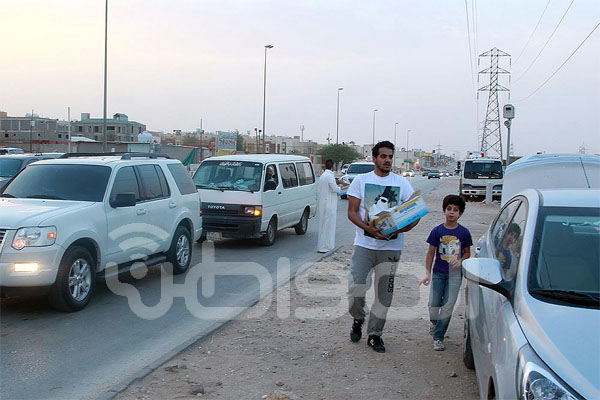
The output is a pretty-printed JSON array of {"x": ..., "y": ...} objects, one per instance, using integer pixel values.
[
  {"x": 75, "y": 280},
  {"x": 180, "y": 252}
]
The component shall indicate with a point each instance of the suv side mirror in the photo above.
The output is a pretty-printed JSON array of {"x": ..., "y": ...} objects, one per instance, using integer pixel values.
[
  {"x": 486, "y": 272},
  {"x": 123, "y": 200}
]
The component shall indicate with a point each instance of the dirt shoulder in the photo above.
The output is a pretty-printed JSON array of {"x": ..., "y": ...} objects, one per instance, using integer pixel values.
[{"x": 295, "y": 343}]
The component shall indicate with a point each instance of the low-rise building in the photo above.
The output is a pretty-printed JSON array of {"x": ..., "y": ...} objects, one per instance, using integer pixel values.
[
  {"x": 118, "y": 128},
  {"x": 32, "y": 132}
]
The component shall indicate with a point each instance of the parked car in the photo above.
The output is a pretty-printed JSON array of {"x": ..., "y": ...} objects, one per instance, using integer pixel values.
[
  {"x": 356, "y": 168},
  {"x": 12, "y": 163},
  {"x": 434, "y": 173},
  {"x": 11, "y": 150},
  {"x": 79, "y": 215},
  {"x": 408, "y": 173},
  {"x": 533, "y": 298},
  {"x": 253, "y": 196},
  {"x": 425, "y": 172}
]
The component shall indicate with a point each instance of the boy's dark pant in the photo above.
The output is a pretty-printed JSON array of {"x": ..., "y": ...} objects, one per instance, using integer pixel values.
[
  {"x": 442, "y": 298},
  {"x": 364, "y": 262}
]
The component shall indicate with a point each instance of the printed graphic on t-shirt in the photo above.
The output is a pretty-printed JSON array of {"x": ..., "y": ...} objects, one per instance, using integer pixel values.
[
  {"x": 449, "y": 248},
  {"x": 379, "y": 198}
]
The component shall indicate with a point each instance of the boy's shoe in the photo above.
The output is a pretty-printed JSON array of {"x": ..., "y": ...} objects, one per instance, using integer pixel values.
[
  {"x": 376, "y": 342},
  {"x": 431, "y": 329},
  {"x": 356, "y": 332},
  {"x": 438, "y": 345}
]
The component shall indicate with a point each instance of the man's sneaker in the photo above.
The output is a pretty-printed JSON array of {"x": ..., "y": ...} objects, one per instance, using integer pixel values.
[
  {"x": 438, "y": 345},
  {"x": 431, "y": 329},
  {"x": 356, "y": 332},
  {"x": 376, "y": 342}
]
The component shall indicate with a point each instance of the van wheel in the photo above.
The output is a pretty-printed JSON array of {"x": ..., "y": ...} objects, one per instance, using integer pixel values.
[
  {"x": 180, "y": 252},
  {"x": 466, "y": 348},
  {"x": 269, "y": 237},
  {"x": 302, "y": 226},
  {"x": 75, "y": 280}
]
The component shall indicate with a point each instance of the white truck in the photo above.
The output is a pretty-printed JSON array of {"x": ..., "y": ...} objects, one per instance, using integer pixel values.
[{"x": 475, "y": 175}]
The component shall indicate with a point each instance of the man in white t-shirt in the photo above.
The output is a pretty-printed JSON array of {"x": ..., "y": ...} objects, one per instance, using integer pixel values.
[{"x": 375, "y": 254}]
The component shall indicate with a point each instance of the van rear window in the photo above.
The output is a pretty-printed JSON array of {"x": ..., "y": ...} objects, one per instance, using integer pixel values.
[{"x": 305, "y": 173}]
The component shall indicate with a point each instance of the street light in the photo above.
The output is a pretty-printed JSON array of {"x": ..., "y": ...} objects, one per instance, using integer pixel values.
[
  {"x": 374, "y": 111},
  {"x": 407, "y": 132},
  {"x": 268, "y": 46},
  {"x": 395, "y": 126},
  {"x": 105, "y": 58},
  {"x": 337, "y": 124}
]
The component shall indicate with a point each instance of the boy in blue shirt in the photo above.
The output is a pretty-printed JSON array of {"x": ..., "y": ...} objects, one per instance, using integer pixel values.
[{"x": 450, "y": 243}]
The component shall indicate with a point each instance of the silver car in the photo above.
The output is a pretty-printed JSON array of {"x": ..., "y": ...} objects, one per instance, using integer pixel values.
[{"x": 533, "y": 298}]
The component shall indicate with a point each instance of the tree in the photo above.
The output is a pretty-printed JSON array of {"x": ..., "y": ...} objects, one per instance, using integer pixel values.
[
  {"x": 339, "y": 152},
  {"x": 239, "y": 142}
]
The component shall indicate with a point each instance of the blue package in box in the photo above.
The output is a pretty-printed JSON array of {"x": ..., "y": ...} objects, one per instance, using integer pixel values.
[{"x": 394, "y": 219}]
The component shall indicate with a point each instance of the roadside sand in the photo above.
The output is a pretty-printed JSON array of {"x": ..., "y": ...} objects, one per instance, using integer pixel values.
[{"x": 294, "y": 344}]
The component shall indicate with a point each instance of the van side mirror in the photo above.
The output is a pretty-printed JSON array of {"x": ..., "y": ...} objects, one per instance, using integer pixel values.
[
  {"x": 123, "y": 200},
  {"x": 486, "y": 272}
]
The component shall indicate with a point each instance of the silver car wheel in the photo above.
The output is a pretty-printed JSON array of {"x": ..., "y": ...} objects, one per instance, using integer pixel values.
[
  {"x": 80, "y": 279},
  {"x": 182, "y": 250}
]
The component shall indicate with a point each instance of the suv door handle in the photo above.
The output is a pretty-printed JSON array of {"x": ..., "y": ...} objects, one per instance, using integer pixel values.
[
  {"x": 172, "y": 204},
  {"x": 141, "y": 211}
]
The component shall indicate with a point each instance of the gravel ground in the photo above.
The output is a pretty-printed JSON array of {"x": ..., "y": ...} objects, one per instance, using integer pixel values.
[{"x": 294, "y": 344}]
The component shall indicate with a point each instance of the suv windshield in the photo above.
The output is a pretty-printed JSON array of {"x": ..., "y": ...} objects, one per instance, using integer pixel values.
[
  {"x": 229, "y": 175},
  {"x": 60, "y": 182},
  {"x": 360, "y": 168},
  {"x": 9, "y": 167},
  {"x": 491, "y": 169},
  {"x": 564, "y": 261}
]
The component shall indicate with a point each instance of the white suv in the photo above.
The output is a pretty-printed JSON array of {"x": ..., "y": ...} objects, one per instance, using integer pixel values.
[{"x": 64, "y": 221}]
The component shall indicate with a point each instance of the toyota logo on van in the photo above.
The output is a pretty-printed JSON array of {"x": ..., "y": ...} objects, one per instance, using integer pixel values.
[{"x": 215, "y": 207}]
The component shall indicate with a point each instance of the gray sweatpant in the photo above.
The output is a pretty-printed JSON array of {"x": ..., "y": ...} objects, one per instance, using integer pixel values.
[{"x": 364, "y": 262}]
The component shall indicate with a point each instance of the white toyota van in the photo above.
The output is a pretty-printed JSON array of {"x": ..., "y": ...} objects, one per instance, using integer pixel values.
[{"x": 254, "y": 195}]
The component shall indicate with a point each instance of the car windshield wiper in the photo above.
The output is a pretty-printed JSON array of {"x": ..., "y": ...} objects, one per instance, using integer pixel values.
[
  {"x": 44, "y": 196},
  {"x": 7, "y": 195},
  {"x": 570, "y": 296}
]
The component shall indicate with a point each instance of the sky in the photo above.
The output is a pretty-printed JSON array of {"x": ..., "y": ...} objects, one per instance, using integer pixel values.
[{"x": 173, "y": 63}]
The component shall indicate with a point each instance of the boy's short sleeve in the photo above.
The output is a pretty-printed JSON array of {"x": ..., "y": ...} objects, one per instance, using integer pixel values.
[
  {"x": 467, "y": 239},
  {"x": 355, "y": 190},
  {"x": 433, "y": 238}
]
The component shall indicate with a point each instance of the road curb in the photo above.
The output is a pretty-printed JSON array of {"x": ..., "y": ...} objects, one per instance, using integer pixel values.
[{"x": 147, "y": 370}]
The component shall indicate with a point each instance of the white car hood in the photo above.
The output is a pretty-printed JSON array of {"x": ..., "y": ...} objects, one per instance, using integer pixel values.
[
  {"x": 567, "y": 340},
  {"x": 17, "y": 213}
]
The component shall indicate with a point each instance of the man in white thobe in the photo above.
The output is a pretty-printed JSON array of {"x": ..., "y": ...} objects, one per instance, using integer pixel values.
[{"x": 328, "y": 199}]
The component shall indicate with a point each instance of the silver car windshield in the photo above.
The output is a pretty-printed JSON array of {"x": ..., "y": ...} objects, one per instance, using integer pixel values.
[
  {"x": 360, "y": 168},
  {"x": 565, "y": 262},
  {"x": 229, "y": 175}
]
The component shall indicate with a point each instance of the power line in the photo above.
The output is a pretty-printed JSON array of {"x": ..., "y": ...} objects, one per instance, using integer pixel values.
[
  {"x": 532, "y": 33},
  {"x": 547, "y": 41},
  {"x": 470, "y": 50},
  {"x": 561, "y": 65},
  {"x": 475, "y": 28}
]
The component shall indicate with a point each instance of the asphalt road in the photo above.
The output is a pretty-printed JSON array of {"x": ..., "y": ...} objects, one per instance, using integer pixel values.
[{"x": 46, "y": 354}]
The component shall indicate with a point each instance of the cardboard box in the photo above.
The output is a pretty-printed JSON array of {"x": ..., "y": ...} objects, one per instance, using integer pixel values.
[{"x": 394, "y": 219}]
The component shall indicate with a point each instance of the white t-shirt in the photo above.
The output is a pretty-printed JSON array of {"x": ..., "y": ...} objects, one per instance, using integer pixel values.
[{"x": 375, "y": 191}]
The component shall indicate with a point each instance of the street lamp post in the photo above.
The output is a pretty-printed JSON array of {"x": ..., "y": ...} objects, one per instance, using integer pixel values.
[
  {"x": 268, "y": 46},
  {"x": 395, "y": 126},
  {"x": 337, "y": 124},
  {"x": 105, "y": 61},
  {"x": 407, "y": 132},
  {"x": 374, "y": 111}
]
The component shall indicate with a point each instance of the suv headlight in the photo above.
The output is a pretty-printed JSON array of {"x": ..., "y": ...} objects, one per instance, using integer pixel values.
[
  {"x": 34, "y": 237},
  {"x": 537, "y": 381}
]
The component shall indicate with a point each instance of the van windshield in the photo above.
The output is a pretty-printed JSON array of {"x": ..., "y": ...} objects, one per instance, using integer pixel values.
[
  {"x": 229, "y": 175},
  {"x": 360, "y": 168},
  {"x": 484, "y": 169}
]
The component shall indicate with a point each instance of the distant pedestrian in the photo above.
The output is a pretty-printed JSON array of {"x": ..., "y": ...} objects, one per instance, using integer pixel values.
[
  {"x": 374, "y": 254},
  {"x": 450, "y": 243},
  {"x": 328, "y": 199}
]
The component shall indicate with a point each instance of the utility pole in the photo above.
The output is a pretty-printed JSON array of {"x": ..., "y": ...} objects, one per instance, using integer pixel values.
[
  {"x": 302, "y": 133},
  {"x": 337, "y": 123},
  {"x": 69, "y": 129},
  {"x": 105, "y": 64},
  {"x": 201, "y": 133},
  {"x": 374, "y": 111},
  {"x": 395, "y": 126},
  {"x": 491, "y": 141},
  {"x": 31, "y": 125}
]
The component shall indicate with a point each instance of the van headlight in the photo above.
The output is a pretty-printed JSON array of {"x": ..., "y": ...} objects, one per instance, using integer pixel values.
[
  {"x": 34, "y": 237},
  {"x": 537, "y": 381},
  {"x": 255, "y": 211}
]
